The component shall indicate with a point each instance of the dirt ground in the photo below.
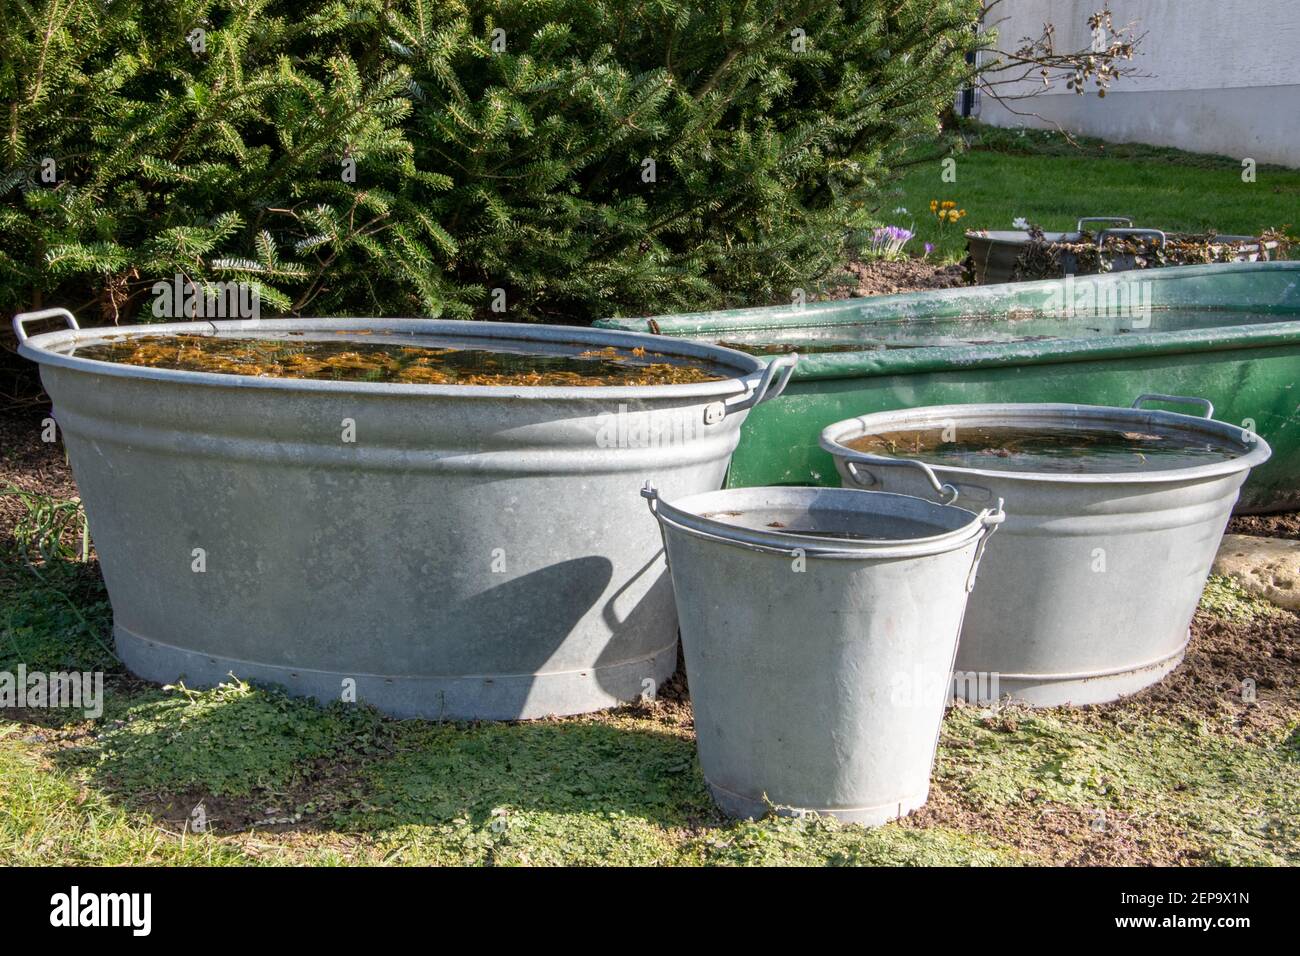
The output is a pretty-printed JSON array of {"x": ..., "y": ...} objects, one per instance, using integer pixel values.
[
  {"x": 910, "y": 275},
  {"x": 26, "y": 462},
  {"x": 1285, "y": 525},
  {"x": 1223, "y": 652}
]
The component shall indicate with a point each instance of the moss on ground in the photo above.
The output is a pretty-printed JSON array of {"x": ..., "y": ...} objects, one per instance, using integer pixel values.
[
  {"x": 1225, "y": 598},
  {"x": 1212, "y": 798},
  {"x": 232, "y": 741}
]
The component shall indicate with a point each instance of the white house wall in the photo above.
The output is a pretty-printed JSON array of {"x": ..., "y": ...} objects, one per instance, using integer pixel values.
[{"x": 1224, "y": 75}]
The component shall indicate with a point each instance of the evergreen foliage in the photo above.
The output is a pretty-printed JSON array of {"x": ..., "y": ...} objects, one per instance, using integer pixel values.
[{"x": 589, "y": 157}]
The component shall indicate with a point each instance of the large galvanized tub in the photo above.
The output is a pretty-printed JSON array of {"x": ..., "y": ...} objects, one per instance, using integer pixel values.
[
  {"x": 819, "y": 656},
  {"x": 474, "y": 552},
  {"x": 1087, "y": 593},
  {"x": 1230, "y": 333}
]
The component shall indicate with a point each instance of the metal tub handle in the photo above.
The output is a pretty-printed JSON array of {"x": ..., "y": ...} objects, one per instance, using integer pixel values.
[
  {"x": 1124, "y": 219},
  {"x": 1205, "y": 404},
  {"x": 947, "y": 493},
  {"x": 1101, "y": 236},
  {"x": 24, "y": 317},
  {"x": 765, "y": 390}
]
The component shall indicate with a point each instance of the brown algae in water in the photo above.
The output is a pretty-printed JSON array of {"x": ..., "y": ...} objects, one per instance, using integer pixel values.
[
  {"x": 1051, "y": 449},
  {"x": 410, "y": 364}
]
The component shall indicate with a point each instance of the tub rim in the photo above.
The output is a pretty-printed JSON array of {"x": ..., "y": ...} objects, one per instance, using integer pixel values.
[
  {"x": 748, "y": 370},
  {"x": 1256, "y": 449}
]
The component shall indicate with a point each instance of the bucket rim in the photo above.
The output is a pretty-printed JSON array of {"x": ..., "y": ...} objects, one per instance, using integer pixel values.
[
  {"x": 743, "y": 370},
  {"x": 1256, "y": 450},
  {"x": 680, "y": 515}
]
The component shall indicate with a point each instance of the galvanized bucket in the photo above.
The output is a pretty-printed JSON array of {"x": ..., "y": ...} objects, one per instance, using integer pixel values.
[
  {"x": 1087, "y": 594},
  {"x": 473, "y": 552},
  {"x": 819, "y": 664}
]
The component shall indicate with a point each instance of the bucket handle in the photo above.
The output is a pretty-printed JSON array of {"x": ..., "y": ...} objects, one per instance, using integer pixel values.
[
  {"x": 651, "y": 495},
  {"x": 992, "y": 519},
  {"x": 1101, "y": 236},
  {"x": 1124, "y": 219},
  {"x": 1206, "y": 405},
  {"x": 764, "y": 390},
  {"x": 947, "y": 493},
  {"x": 23, "y": 317}
]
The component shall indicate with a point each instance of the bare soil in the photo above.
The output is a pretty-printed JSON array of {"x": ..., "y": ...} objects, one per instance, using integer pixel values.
[
  {"x": 1284, "y": 525},
  {"x": 26, "y": 462},
  {"x": 1057, "y": 834},
  {"x": 1209, "y": 684},
  {"x": 909, "y": 275}
]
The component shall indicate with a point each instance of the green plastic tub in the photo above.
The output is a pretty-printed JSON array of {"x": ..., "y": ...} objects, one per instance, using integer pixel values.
[{"x": 1226, "y": 332}]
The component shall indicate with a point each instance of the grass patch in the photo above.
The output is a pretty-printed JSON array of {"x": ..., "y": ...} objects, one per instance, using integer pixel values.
[
  {"x": 624, "y": 790},
  {"x": 1047, "y": 142},
  {"x": 818, "y": 841},
  {"x": 1236, "y": 803},
  {"x": 54, "y": 616},
  {"x": 48, "y": 819},
  {"x": 231, "y": 741},
  {"x": 1041, "y": 177},
  {"x": 617, "y": 766}
]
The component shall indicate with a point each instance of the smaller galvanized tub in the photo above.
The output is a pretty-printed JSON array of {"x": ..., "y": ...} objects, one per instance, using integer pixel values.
[
  {"x": 1087, "y": 594},
  {"x": 819, "y": 626}
]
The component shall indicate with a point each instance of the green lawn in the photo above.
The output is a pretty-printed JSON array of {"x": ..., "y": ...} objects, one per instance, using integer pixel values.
[{"x": 1042, "y": 178}]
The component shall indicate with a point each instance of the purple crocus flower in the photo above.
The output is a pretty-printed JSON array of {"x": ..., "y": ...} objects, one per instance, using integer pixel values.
[{"x": 887, "y": 241}]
